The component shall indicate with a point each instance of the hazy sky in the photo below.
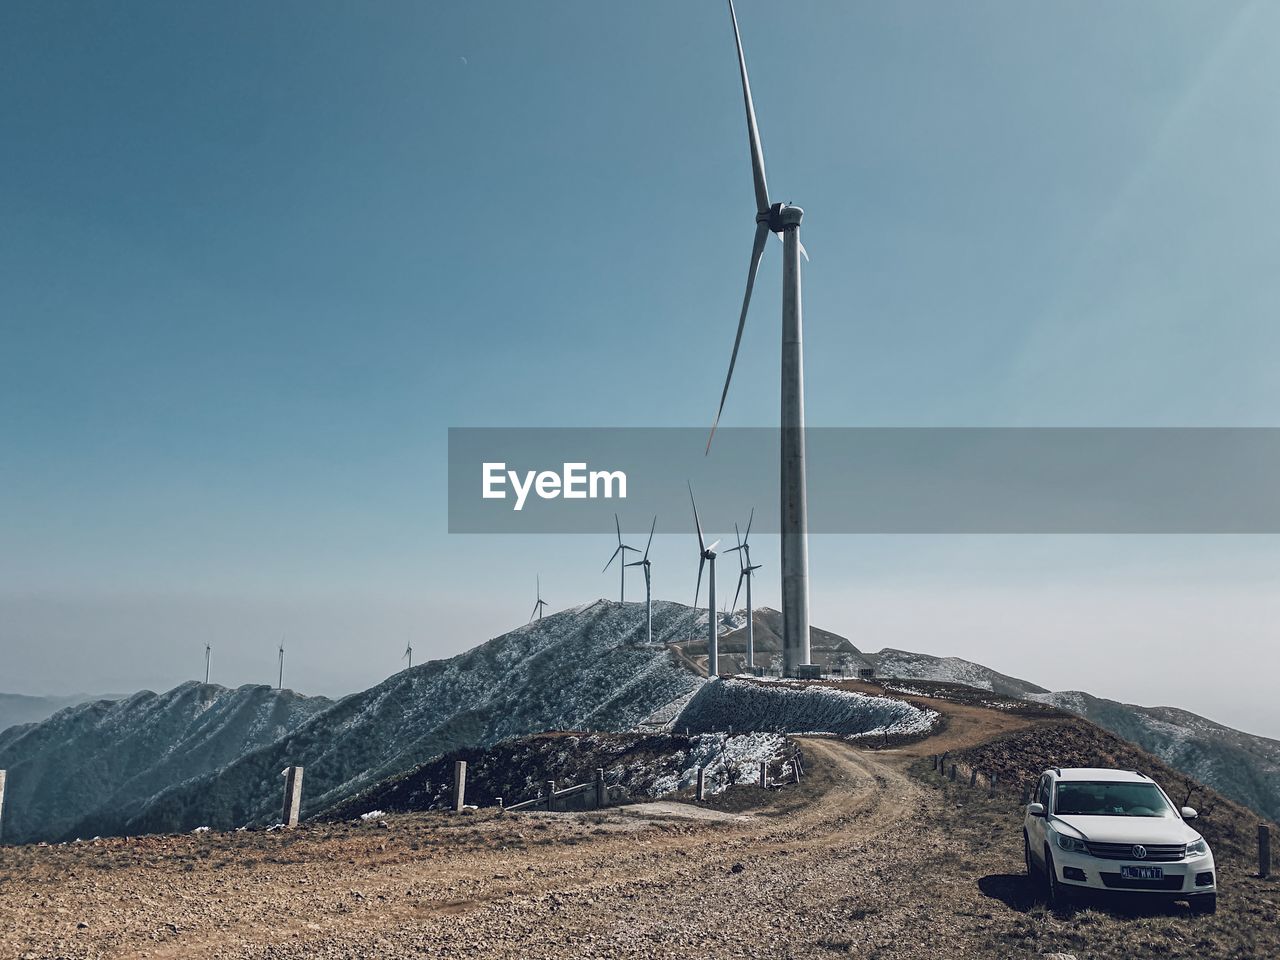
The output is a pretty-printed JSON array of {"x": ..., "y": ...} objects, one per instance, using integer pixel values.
[{"x": 257, "y": 258}]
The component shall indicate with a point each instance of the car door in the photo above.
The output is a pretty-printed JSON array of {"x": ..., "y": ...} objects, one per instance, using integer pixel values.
[{"x": 1036, "y": 826}]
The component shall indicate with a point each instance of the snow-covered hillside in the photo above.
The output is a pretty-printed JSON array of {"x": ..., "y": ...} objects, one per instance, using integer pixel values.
[
  {"x": 584, "y": 669},
  {"x": 741, "y": 705},
  {"x": 91, "y": 766}
]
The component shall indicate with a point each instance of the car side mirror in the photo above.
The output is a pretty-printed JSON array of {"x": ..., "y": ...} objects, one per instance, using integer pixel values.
[
  {"x": 1035, "y": 809},
  {"x": 1189, "y": 813}
]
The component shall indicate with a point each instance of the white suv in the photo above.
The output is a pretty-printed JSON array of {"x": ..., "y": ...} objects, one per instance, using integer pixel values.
[{"x": 1115, "y": 830}]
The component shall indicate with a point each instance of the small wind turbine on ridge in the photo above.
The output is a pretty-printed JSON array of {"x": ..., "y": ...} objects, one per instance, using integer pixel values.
[
  {"x": 537, "y": 607},
  {"x": 707, "y": 554},
  {"x": 648, "y": 586},
  {"x": 746, "y": 570},
  {"x": 207, "y": 650},
  {"x": 280, "y": 682},
  {"x": 408, "y": 652},
  {"x": 622, "y": 549}
]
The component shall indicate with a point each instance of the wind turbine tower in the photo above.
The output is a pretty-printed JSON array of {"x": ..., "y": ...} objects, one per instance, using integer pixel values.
[
  {"x": 408, "y": 652},
  {"x": 537, "y": 607},
  {"x": 648, "y": 585},
  {"x": 622, "y": 568},
  {"x": 280, "y": 682},
  {"x": 746, "y": 571},
  {"x": 784, "y": 220},
  {"x": 707, "y": 555}
]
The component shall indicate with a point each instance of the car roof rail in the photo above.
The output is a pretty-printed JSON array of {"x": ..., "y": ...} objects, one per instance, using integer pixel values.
[{"x": 1058, "y": 771}]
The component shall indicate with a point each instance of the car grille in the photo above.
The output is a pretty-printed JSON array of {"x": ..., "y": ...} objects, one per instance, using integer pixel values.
[
  {"x": 1156, "y": 853},
  {"x": 1114, "y": 881}
]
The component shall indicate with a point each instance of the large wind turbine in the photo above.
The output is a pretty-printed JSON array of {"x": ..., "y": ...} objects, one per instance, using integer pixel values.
[
  {"x": 648, "y": 586},
  {"x": 622, "y": 568},
  {"x": 537, "y": 607},
  {"x": 782, "y": 219},
  {"x": 707, "y": 554},
  {"x": 746, "y": 571}
]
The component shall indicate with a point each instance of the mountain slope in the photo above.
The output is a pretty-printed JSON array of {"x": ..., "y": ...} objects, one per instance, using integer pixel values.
[
  {"x": 1240, "y": 765},
  {"x": 16, "y": 708},
  {"x": 586, "y": 668},
  {"x": 103, "y": 760}
]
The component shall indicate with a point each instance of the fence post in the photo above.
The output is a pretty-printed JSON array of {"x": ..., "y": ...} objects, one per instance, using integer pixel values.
[
  {"x": 602, "y": 792},
  {"x": 550, "y": 788},
  {"x": 702, "y": 784},
  {"x": 292, "y": 795},
  {"x": 764, "y": 773},
  {"x": 942, "y": 765},
  {"x": 934, "y": 758},
  {"x": 973, "y": 776},
  {"x": 953, "y": 773},
  {"x": 3, "y": 774},
  {"x": 459, "y": 785},
  {"x": 991, "y": 787},
  {"x": 1264, "y": 850},
  {"x": 498, "y": 801}
]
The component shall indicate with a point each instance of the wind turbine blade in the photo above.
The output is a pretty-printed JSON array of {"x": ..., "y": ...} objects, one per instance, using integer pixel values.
[
  {"x": 741, "y": 574},
  {"x": 757, "y": 251},
  {"x": 803, "y": 252},
  {"x": 610, "y": 563},
  {"x": 534, "y": 614},
  {"x": 702, "y": 548},
  {"x": 636, "y": 563},
  {"x": 712, "y": 548},
  {"x": 650, "y": 543},
  {"x": 753, "y": 133},
  {"x": 617, "y": 526},
  {"x": 702, "y": 562},
  {"x": 749, "y": 519}
]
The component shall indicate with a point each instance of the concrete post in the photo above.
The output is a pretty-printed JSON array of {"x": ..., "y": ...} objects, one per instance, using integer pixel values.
[
  {"x": 3, "y": 774},
  {"x": 942, "y": 764},
  {"x": 973, "y": 777},
  {"x": 292, "y": 795},
  {"x": 1264, "y": 850},
  {"x": 764, "y": 773},
  {"x": 702, "y": 784},
  {"x": 550, "y": 788},
  {"x": 498, "y": 802},
  {"x": 795, "y": 770},
  {"x": 953, "y": 773},
  {"x": 602, "y": 792},
  {"x": 991, "y": 787},
  {"x": 459, "y": 785}
]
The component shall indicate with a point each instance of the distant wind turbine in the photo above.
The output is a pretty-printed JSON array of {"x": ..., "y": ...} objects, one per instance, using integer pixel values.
[
  {"x": 207, "y": 650},
  {"x": 707, "y": 554},
  {"x": 783, "y": 219},
  {"x": 537, "y": 607},
  {"x": 746, "y": 571},
  {"x": 648, "y": 586},
  {"x": 408, "y": 652},
  {"x": 280, "y": 682},
  {"x": 622, "y": 568}
]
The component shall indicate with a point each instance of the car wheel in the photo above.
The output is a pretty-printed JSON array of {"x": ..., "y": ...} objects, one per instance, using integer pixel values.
[
  {"x": 1026, "y": 855},
  {"x": 1053, "y": 893},
  {"x": 1205, "y": 903}
]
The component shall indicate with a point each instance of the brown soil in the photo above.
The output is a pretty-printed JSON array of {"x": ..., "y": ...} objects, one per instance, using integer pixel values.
[{"x": 872, "y": 855}]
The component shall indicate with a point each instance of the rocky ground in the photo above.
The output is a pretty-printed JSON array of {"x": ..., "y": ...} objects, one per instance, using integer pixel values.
[{"x": 873, "y": 855}]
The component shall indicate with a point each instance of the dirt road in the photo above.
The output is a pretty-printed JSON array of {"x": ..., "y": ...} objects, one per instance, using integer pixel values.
[{"x": 861, "y": 859}]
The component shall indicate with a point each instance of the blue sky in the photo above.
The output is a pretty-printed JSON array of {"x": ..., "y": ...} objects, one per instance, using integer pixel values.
[{"x": 256, "y": 260}]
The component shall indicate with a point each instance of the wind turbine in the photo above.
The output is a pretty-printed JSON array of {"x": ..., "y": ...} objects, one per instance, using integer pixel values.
[
  {"x": 537, "y": 607},
  {"x": 746, "y": 572},
  {"x": 622, "y": 569},
  {"x": 280, "y": 684},
  {"x": 648, "y": 586},
  {"x": 207, "y": 650},
  {"x": 782, "y": 219},
  {"x": 408, "y": 652},
  {"x": 707, "y": 554}
]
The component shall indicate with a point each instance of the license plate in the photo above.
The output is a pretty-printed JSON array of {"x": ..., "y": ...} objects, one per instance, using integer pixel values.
[{"x": 1142, "y": 873}]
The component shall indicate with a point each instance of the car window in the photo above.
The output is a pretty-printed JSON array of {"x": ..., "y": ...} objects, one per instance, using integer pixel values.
[
  {"x": 1101, "y": 799},
  {"x": 1044, "y": 791}
]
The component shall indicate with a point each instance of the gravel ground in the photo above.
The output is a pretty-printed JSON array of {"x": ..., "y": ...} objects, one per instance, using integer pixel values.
[{"x": 865, "y": 858}]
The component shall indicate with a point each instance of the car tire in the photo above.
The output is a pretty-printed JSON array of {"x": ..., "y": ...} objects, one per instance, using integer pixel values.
[
  {"x": 1026, "y": 856},
  {"x": 1205, "y": 903},
  {"x": 1054, "y": 896}
]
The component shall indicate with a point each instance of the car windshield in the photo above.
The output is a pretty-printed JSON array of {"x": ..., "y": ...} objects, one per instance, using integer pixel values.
[{"x": 1100, "y": 799}]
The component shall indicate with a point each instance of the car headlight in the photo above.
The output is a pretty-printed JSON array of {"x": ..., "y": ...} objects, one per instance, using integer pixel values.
[
  {"x": 1197, "y": 848},
  {"x": 1071, "y": 844}
]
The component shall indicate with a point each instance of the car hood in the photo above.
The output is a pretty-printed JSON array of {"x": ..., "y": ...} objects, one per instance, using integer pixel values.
[{"x": 1145, "y": 830}]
